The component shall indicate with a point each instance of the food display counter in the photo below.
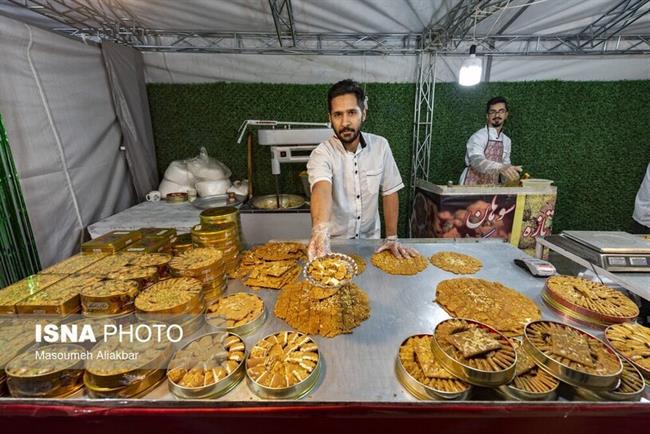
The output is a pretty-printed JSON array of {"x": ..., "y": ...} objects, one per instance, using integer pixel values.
[
  {"x": 358, "y": 388},
  {"x": 516, "y": 214}
]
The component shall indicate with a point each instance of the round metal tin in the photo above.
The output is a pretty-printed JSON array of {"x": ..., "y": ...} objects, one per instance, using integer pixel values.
[
  {"x": 584, "y": 312},
  {"x": 244, "y": 329},
  {"x": 644, "y": 371},
  {"x": 570, "y": 314},
  {"x": 468, "y": 373},
  {"x": 422, "y": 391},
  {"x": 60, "y": 382},
  {"x": 296, "y": 391},
  {"x": 133, "y": 390},
  {"x": 630, "y": 388},
  {"x": 512, "y": 393},
  {"x": 213, "y": 390},
  {"x": 566, "y": 373}
]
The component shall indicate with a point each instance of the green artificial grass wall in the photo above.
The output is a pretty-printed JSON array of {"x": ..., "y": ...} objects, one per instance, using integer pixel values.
[{"x": 590, "y": 137}]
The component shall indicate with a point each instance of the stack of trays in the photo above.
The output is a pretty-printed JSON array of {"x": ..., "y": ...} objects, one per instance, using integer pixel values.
[
  {"x": 25, "y": 288},
  {"x": 208, "y": 367},
  {"x": 224, "y": 237},
  {"x": 109, "y": 298},
  {"x": 130, "y": 377},
  {"x": 223, "y": 214},
  {"x": 474, "y": 352},
  {"x": 111, "y": 242},
  {"x": 631, "y": 341},
  {"x": 572, "y": 356},
  {"x": 176, "y": 301},
  {"x": 206, "y": 265},
  {"x": 284, "y": 365},
  {"x": 238, "y": 313},
  {"x": 183, "y": 243},
  {"x": 74, "y": 264},
  {"x": 60, "y": 299},
  {"x": 30, "y": 376},
  {"x": 587, "y": 302},
  {"x": 423, "y": 376}
]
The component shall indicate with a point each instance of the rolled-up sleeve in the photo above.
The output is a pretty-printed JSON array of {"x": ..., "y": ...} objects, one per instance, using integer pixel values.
[
  {"x": 319, "y": 166},
  {"x": 391, "y": 181}
]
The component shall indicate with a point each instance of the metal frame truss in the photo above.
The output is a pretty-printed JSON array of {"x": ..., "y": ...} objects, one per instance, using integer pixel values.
[
  {"x": 110, "y": 20},
  {"x": 425, "y": 93},
  {"x": 283, "y": 20}
]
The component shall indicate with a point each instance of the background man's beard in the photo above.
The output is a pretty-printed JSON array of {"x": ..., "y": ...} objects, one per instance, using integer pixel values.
[{"x": 496, "y": 123}]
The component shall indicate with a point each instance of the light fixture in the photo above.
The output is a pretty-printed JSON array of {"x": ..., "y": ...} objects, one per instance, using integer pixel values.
[{"x": 471, "y": 69}]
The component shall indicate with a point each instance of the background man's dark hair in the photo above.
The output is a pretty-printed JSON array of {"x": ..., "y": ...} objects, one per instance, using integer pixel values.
[
  {"x": 496, "y": 100},
  {"x": 344, "y": 87}
]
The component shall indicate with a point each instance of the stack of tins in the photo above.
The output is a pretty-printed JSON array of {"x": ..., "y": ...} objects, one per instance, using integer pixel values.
[
  {"x": 205, "y": 264},
  {"x": 221, "y": 236},
  {"x": 223, "y": 214}
]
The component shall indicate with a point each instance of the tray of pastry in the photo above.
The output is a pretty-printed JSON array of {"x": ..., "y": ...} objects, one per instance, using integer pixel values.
[
  {"x": 632, "y": 342},
  {"x": 531, "y": 383},
  {"x": 159, "y": 260},
  {"x": 143, "y": 276},
  {"x": 133, "y": 373},
  {"x": 109, "y": 297},
  {"x": 171, "y": 297},
  {"x": 61, "y": 298},
  {"x": 423, "y": 376},
  {"x": 284, "y": 365},
  {"x": 74, "y": 264},
  {"x": 589, "y": 300},
  {"x": 25, "y": 288},
  {"x": 630, "y": 387},
  {"x": 238, "y": 313},
  {"x": 51, "y": 371},
  {"x": 572, "y": 355},
  {"x": 474, "y": 352},
  {"x": 209, "y": 366}
]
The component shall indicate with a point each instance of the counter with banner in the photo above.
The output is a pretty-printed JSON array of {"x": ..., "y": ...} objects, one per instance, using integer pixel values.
[{"x": 516, "y": 214}]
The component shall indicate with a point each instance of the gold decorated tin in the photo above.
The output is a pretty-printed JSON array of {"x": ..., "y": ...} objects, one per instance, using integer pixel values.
[
  {"x": 61, "y": 298},
  {"x": 224, "y": 214},
  {"x": 25, "y": 288},
  {"x": 74, "y": 264},
  {"x": 223, "y": 236},
  {"x": 137, "y": 389},
  {"x": 630, "y": 387},
  {"x": 570, "y": 315},
  {"x": 273, "y": 356},
  {"x": 423, "y": 376},
  {"x": 572, "y": 355},
  {"x": 170, "y": 297},
  {"x": 17, "y": 334},
  {"x": 179, "y": 197},
  {"x": 238, "y": 313},
  {"x": 50, "y": 371},
  {"x": 474, "y": 352},
  {"x": 159, "y": 233},
  {"x": 531, "y": 383},
  {"x": 208, "y": 367},
  {"x": 137, "y": 361},
  {"x": 110, "y": 264},
  {"x": 151, "y": 245},
  {"x": 109, "y": 297},
  {"x": 143, "y": 276},
  {"x": 159, "y": 260},
  {"x": 183, "y": 243},
  {"x": 111, "y": 242}
]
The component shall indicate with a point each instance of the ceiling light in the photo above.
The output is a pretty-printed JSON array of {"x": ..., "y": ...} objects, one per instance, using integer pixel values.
[{"x": 471, "y": 69}]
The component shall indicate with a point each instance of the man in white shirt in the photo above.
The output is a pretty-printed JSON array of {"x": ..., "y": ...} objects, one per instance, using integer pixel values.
[
  {"x": 346, "y": 174},
  {"x": 488, "y": 150},
  {"x": 641, "y": 216}
]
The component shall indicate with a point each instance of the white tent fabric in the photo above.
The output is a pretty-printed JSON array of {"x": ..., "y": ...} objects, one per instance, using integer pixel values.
[
  {"x": 64, "y": 136},
  {"x": 201, "y": 68}
]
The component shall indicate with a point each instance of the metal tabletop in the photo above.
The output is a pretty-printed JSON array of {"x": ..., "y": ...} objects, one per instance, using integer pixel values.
[{"x": 360, "y": 367}]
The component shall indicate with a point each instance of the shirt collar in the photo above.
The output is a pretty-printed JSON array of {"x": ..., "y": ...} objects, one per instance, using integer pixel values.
[{"x": 337, "y": 143}]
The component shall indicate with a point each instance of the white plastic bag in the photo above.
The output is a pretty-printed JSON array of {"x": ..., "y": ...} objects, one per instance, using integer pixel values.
[
  {"x": 167, "y": 186},
  {"x": 206, "y": 168},
  {"x": 178, "y": 173}
]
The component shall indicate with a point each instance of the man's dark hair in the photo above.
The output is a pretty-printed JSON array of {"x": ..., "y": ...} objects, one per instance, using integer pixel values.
[
  {"x": 344, "y": 87},
  {"x": 496, "y": 100}
]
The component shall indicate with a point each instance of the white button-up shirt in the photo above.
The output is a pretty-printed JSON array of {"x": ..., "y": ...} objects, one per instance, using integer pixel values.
[
  {"x": 356, "y": 178},
  {"x": 642, "y": 201}
]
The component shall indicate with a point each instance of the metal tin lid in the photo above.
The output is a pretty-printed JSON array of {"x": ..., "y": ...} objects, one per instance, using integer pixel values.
[{"x": 219, "y": 211}]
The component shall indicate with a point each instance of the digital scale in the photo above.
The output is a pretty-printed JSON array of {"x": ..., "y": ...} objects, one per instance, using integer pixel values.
[{"x": 612, "y": 251}]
